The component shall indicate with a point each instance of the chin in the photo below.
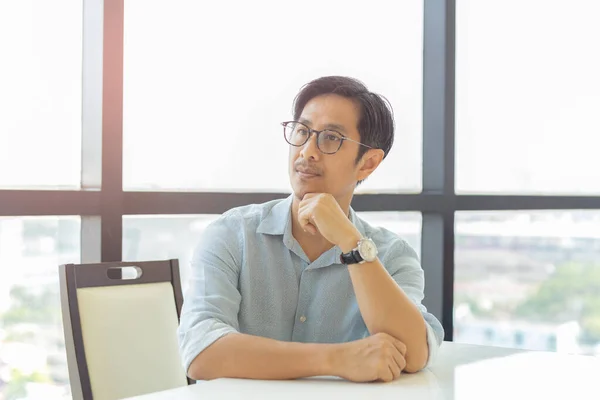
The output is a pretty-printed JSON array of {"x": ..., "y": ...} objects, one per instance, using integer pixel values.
[
  {"x": 300, "y": 191},
  {"x": 300, "y": 188}
]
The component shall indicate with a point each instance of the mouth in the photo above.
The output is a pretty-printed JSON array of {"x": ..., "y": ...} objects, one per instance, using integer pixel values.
[{"x": 307, "y": 174}]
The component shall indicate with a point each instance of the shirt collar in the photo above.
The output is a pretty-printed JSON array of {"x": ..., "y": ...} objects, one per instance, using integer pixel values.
[{"x": 278, "y": 219}]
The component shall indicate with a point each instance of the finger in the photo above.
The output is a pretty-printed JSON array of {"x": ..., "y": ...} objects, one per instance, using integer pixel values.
[
  {"x": 305, "y": 207},
  {"x": 305, "y": 220},
  {"x": 310, "y": 211},
  {"x": 400, "y": 346},
  {"x": 386, "y": 375},
  {"x": 308, "y": 196},
  {"x": 395, "y": 369},
  {"x": 400, "y": 361},
  {"x": 303, "y": 203}
]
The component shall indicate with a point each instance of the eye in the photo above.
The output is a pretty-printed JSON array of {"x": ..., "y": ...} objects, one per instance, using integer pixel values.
[
  {"x": 302, "y": 131},
  {"x": 332, "y": 137}
]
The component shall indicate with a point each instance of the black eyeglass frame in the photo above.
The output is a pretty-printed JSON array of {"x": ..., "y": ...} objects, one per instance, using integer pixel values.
[{"x": 318, "y": 133}]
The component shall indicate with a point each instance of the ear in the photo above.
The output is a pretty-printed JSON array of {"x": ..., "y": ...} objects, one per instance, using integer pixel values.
[{"x": 369, "y": 163}]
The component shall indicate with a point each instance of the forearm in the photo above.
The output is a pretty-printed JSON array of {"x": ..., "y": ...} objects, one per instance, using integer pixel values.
[
  {"x": 253, "y": 357},
  {"x": 385, "y": 308}
]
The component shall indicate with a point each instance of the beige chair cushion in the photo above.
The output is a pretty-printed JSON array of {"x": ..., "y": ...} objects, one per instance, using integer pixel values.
[{"x": 130, "y": 339}]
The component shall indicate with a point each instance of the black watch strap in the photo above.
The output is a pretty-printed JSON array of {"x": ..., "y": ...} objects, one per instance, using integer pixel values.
[{"x": 352, "y": 257}]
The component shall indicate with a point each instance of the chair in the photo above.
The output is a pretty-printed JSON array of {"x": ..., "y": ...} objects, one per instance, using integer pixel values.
[{"x": 120, "y": 328}]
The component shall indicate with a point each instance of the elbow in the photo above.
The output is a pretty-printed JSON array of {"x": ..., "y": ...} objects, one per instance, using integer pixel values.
[
  {"x": 416, "y": 361},
  {"x": 196, "y": 371},
  {"x": 413, "y": 367},
  {"x": 201, "y": 369},
  {"x": 212, "y": 362}
]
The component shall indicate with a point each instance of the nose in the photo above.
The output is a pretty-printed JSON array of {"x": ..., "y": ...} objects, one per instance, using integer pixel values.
[{"x": 310, "y": 150}]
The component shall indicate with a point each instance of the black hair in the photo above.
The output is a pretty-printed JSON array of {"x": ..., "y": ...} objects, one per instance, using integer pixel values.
[{"x": 376, "y": 119}]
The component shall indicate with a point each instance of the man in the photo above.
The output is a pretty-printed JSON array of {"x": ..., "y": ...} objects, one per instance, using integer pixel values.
[{"x": 303, "y": 287}]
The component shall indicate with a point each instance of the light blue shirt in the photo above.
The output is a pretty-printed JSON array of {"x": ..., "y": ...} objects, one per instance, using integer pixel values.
[{"x": 250, "y": 275}]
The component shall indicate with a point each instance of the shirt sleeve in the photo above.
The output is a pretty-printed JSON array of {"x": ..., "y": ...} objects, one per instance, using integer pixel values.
[
  {"x": 404, "y": 267},
  {"x": 212, "y": 300}
]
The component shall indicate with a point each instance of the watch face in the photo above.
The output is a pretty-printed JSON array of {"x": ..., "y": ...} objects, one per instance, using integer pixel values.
[{"x": 367, "y": 250}]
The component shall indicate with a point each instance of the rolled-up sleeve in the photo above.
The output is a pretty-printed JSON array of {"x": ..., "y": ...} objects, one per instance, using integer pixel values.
[
  {"x": 403, "y": 264},
  {"x": 212, "y": 300}
]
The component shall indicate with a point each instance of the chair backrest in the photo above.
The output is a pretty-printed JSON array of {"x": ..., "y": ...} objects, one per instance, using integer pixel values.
[{"x": 121, "y": 334}]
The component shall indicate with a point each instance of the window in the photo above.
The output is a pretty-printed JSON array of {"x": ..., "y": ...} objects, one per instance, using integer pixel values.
[
  {"x": 527, "y": 95},
  {"x": 175, "y": 236},
  {"x": 406, "y": 225},
  {"x": 519, "y": 338},
  {"x": 213, "y": 85},
  {"x": 32, "y": 350},
  {"x": 202, "y": 101},
  {"x": 40, "y": 93},
  {"x": 551, "y": 344},
  {"x": 162, "y": 237},
  {"x": 489, "y": 334},
  {"x": 537, "y": 272}
]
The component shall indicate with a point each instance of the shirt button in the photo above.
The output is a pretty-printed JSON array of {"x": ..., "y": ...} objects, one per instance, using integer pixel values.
[{"x": 303, "y": 319}]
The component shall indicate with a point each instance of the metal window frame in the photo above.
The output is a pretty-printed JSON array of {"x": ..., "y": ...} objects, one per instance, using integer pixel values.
[{"x": 102, "y": 203}]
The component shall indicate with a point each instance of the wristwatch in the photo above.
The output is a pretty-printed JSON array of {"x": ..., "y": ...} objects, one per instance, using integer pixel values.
[{"x": 365, "y": 251}]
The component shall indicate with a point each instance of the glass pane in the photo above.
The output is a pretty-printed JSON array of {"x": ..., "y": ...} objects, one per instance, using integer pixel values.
[
  {"x": 164, "y": 237},
  {"x": 33, "y": 363},
  {"x": 205, "y": 93},
  {"x": 528, "y": 280},
  {"x": 407, "y": 225},
  {"x": 527, "y": 99},
  {"x": 40, "y": 93}
]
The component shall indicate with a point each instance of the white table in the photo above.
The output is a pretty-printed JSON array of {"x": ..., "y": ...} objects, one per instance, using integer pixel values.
[{"x": 461, "y": 372}]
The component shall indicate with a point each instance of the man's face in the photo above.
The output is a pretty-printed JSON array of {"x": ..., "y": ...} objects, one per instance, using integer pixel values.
[{"x": 312, "y": 171}]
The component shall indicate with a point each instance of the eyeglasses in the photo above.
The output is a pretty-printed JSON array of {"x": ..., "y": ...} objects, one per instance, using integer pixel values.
[{"x": 328, "y": 140}]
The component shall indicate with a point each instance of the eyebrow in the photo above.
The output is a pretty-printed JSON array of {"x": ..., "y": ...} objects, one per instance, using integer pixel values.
[{"x": 335, "y": 127}]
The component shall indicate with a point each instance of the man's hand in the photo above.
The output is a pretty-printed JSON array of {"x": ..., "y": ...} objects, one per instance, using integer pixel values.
[
  {"x": 321, "y": 213},
  {"x": 379, "y": 357}
]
